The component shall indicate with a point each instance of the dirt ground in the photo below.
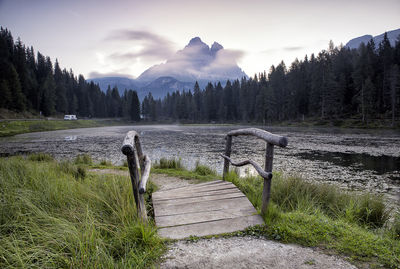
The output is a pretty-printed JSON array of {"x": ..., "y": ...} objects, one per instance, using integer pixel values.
[{"x": 247, "y": 252}]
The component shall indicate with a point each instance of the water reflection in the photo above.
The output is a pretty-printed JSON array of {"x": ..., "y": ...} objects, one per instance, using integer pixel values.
[
  {"x": 71, "y": 138},
  {"x": 379, "y": 164}
]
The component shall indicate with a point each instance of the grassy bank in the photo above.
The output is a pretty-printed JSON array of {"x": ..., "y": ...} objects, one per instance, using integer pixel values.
[
  {"x": 55, "y": 215},
  {"x": 9, "y": 128},
  {"x": 315, "y": 215}
]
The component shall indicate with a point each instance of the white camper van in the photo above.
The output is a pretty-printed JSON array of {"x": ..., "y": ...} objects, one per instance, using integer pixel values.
[{"x": 70, "y": 117}]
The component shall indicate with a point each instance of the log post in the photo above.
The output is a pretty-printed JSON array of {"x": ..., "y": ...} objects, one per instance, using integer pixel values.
[
  {"x": 228, "y": 146},
  {"x": 131, "y": 148},
  {"x": 266, "y": 194}
]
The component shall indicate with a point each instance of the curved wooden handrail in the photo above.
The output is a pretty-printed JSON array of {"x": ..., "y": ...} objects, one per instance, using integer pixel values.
[
  {"x": 271, "y": 140},
  {"x": 277, "y": 140},
  {"x": 258, "y": 168}
]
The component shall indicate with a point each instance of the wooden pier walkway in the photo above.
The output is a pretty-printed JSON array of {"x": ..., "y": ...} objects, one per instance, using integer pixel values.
[{"x": 209, "y": 208}]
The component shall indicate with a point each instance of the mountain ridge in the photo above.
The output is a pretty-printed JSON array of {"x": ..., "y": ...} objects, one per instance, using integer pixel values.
[
  {"x": 195, "y": 62},
  {"x": 392, "y": 35}
]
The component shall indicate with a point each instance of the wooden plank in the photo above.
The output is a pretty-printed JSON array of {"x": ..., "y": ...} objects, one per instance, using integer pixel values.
[
  {"x": 198, "y": 199},
  {"x": 198, "y": 217},
  {"x": 197, "y": 188},
  {"x": 211, "y": 228},
  {"x": 193, "y": 195},
  {"x": 164, "y": 210},
  {"x": 202, "y": 190},
  {"x": 192, "y": 186}
]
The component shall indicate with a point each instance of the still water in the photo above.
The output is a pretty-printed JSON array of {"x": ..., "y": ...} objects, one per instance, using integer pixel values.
[{"x": 354, "y": 159}]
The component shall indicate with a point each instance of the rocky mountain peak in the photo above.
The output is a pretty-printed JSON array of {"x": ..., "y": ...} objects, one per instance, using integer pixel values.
[
  {"x": 196, "y": 42},
  {"x": 215, "y": 47}
]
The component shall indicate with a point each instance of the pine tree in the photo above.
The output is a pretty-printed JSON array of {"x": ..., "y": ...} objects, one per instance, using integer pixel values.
[
  {"x": 135, "y": 107},
  {"x": 6, "y": 98},
  {"x": 48, "y": 103},
  {"x": 18, "y": 99},
  {"x": 60, "y": 90},
  {"x": 394, "y": 89}
]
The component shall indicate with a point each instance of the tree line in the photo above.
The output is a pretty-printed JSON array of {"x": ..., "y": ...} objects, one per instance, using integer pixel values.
[
  {"x": 30, "y": 82},
  {"x": 338, "y": 83}
]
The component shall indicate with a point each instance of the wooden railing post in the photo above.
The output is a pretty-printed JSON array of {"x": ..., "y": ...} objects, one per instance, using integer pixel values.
[
  {"x": 228, "y": 146},
  {"x": 133, "y": 166},
  {"x": 135, "y": 158},
  {"x": 266, "y": 194}
]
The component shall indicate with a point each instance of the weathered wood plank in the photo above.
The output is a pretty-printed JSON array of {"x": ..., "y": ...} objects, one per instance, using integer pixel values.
[
  {"x": 199, "y": 217},
  {"x": 214, "y": 186},
  {"x": 211, "y": 228},
  {"x": 196, "y": 199},
  {"x": 165, "y": 210},
  {"x": 192, "y": 186},
  {"x": 204, "y": 189},
  {"x": 195, "y": 195}
]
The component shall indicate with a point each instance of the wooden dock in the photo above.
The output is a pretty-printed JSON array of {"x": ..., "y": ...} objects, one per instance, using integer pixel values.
[{"x": 209, "y": 208}]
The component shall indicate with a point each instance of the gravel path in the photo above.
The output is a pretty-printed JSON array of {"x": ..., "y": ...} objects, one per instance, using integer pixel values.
[
  {"x": 237, "y": 252},
  {"x": 247, "y": 252}
]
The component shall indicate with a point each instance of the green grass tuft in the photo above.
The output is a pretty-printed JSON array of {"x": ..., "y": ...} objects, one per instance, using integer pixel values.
[
  {"x": 169, "y": 164},
  {"x": 40, "y": 157},
  {"x": 105, "y": 163},
  {"x": 85, "y": 159},
  {"x": 204, "y": 170}
]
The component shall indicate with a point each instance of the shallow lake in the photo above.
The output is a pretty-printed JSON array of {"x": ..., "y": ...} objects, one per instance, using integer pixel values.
[{"x": 351, "y": 158}]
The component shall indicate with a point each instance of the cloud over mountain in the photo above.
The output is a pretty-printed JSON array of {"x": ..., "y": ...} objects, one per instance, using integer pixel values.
[{"x": 197, "y": 61}]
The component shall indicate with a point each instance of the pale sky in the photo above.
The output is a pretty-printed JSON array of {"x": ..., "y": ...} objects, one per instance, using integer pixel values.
[{"x": 121, "y": 37}]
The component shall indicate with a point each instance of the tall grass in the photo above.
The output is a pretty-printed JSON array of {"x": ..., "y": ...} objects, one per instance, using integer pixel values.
[
  {"x": 40, "y": 157},
  {"x": 204, "y": 170},
  {"x": 49, "y": 219},
  {"x": 164, "y": 163},
  {"x": 293, "y": 193}
]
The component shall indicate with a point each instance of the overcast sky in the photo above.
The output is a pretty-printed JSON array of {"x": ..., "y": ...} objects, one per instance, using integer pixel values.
[{"x": 121, "y": 37}]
